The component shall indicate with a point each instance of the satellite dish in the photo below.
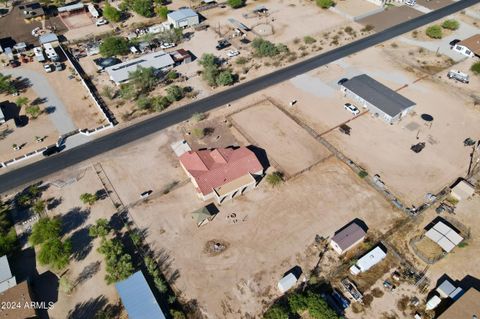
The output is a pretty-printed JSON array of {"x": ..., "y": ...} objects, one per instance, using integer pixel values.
[{"x": 426, "y": 117}]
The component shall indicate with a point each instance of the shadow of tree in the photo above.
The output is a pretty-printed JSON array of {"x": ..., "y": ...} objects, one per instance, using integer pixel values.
[
  {"x": 81, "y": 244},
  {"x": 39, "y": 100},
  {"x": 50, "y": 109},
  {"x": 88, "y": 272},
  {"x": 53, "y": 202},
  {"x": 164, "y": 261},
  {"x": 73, "y": 219},
  {"x": 88, "y": 309},
  {"x": 4, "y": 133},
  {"x": 21, "y": 83}
]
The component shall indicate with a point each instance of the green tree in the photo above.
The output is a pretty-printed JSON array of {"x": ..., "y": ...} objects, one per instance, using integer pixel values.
[
  {"x": 172, "y": 75},
  {"x": 325, "y": 4},
  {"x": 21, "y": 101},
  {"x": 276, "y": 312},
  {"x": 236, "y": 3},
  {"x": 119, "y": 265},
  {"x": 6, "y": 84},
  {"x": 8, "y": 240},
  {"x": 208, "y": 60},
  {"x": 39, "y": 206},
  {"x": 434, "y": 32},
  {"x": 143, "y": 79},
  {"x": 176, "y": 314},
  {"x": 143, "y": 102},
  {"x": 318, "y": 307},
  {"x": 88, "y": 198},
  {"x": 450, "y": 24},
  {"x": 174, "y": 93},
  {"x": 160, "y": 103},
  {"x": 264, "y": 48},
  {"x": 100, "y": 229},
  {"x": 33, "y": 110},
  {"x": 44, "y": 230},
  {"x": 162, "y": 12},
  {"x": 224, "y": 78},
  {"x": 111, "y": 13},
  {"x": 143, "y": 7},
  {"x": 136, "y": 237},
  {"x": 113, "y": 46},
  {"x": 475, "y": 68},
  {"x": 274, "y": 179},
  {"x": 127, "y": 91},
  {"x": 55, "y": 253}
]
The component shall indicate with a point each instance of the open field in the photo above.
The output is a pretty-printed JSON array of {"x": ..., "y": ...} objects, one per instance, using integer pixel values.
[
  {"x": 390, "y": 17},
  {"x": 284, "y": 140},
  {"x": 245, "y": 274}
]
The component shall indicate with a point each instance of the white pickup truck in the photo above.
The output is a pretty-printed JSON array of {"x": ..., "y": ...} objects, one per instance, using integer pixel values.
[{"x": 458, "y": 76}]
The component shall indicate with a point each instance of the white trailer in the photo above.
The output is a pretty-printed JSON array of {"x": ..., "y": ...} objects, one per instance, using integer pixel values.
[
  {"x": 51, "y": 53},
  {"x": 39, "y": 54},
  {"x": 93, "y": 11}
]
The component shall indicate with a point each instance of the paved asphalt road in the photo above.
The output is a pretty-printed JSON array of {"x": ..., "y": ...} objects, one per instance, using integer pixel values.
[{"x": 43, "y": 168}]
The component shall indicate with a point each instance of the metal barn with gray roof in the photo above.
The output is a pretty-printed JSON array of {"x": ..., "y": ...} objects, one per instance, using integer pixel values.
[{"x": 380, "y": 100}]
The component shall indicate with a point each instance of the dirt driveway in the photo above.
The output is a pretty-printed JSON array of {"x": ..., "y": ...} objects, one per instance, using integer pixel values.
[
  {"x": 390, "y": 17},
  {"x": 274, "y": 228}
]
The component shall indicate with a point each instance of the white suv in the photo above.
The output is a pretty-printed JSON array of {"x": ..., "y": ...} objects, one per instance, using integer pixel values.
[{"x": 351, "y": 108}]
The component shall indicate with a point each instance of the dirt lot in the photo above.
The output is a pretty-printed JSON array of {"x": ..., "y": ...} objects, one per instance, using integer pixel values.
[
  {"x": 83, "y": 26},
  {"x": 23, "y": 136},
  {"x": 390, "y": 17},
  {"x": 247, "y": 271},
  {"x": 354, "y": 8},
  {"x": 435, "y": 4},
  {"x": 408, "y": 175},
  {"x": 285, "y": 141},
  {"x": 283, "y": 17}
]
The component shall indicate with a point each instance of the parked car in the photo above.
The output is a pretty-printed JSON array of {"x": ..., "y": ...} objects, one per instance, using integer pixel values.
[
  {"x": 51, "y": 150},
  {"x": 222, "y": 44},
  {"x": 48, "y": 68},
  {"x": 58, "y": 66},
  {"x": 101, "y": 21},
  {"x": 458, "y": 76},
  {"x": 14, "y": 63},
  {"x": 232, "y": 53},
  {"x": 166, "y": 45},
  {"x": 351, "y": 108}
]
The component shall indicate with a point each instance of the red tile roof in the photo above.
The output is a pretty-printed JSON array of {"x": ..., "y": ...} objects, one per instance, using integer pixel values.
[{"x": 214, "y": 168}]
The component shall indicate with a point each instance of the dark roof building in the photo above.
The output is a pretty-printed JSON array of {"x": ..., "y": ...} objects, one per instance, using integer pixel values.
[
  {"x": 380, "y": 100},
  {"x": 347, "y": 237},
  {"x": 137, "y": 298}
]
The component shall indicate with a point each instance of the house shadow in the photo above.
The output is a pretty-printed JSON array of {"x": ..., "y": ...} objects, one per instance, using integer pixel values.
[
  {"x": 261, "y": 154},
  {"x": 440, "y": 219},
  {"x": 296, "y": 271},
  {"x": 10, "y": 110}
]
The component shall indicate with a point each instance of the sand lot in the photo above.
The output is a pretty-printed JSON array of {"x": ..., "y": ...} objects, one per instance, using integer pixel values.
[
  {"x": 390, "y": 17},
  {"x": 283, "y": 17},
  {"x": 385, "y": 149},
  {"x": 275, "y": 228},
  {"x": 287, "y": 143}
]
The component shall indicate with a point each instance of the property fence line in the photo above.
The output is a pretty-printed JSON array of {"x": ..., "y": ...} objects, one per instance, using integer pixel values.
[
  {"x": 24, "y": 157},
  {"x": 91, "y": 89}
]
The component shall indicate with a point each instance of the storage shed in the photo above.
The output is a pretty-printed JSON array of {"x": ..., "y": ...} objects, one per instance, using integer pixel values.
[
  {"x": 137, "y": 298},
  {"x": 183, "y": 18},
  {"x": 380, "y": 100},
  {"x": 347, "y": 238},
  {"x": 287, "y": 282},
  {"x": 462, "y": 190}
]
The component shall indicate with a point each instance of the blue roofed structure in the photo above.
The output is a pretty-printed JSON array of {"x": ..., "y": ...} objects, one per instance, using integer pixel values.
[{"x": 138, "y": 299}]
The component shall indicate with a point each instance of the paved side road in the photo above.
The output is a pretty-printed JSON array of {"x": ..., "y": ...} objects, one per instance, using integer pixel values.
[
  {"x": 60, "y": 118},
  {"x": 27, "y": 174}
]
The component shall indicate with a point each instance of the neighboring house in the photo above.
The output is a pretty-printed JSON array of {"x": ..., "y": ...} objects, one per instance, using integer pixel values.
[
  {"x": 448, "y": 290},
  {"x": 48, "y": 38},
  {"x": 380, "y": 100},
  {"x": 19, "y": 296},
  {"x": 183, "y": 18},
  {"x": 347, "y": 238},
  {"x": 181, "y": 56},
  {"x": 71, "y": 9},
  {"x": 469, "y": 47},
  {"x": 287, "y": 283},
  {"x": 33, "y": 11},
  {"x": 466, "y": 306},
  {"x": 446, "y": 237},
  {"x": 462, "y": 190},
  {"x": 372, "y": 258},
  {"x": 6, "y": 279},
  {"x": 223, "y": 173},
  {"x": 159, "y": 60},
  {"x": 137, "y": 298}
]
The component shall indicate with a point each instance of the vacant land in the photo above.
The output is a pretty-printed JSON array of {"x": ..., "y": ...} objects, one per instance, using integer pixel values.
[
  {"x": 287, "y": 143},
  {"x": 390, "y": 17}
]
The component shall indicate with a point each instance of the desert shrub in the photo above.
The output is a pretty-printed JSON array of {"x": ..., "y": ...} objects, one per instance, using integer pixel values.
[
  {"x": 434, "y": 32},
  {"x": 325, "y": 4},
  {"x": 475, "y": 68},
  {"x": 450, "y": 24}
]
